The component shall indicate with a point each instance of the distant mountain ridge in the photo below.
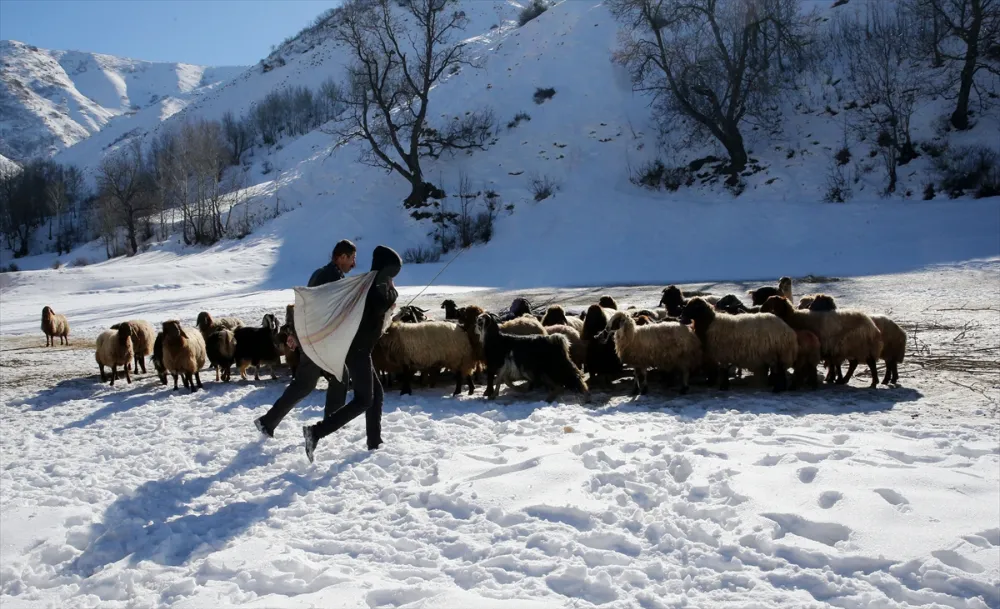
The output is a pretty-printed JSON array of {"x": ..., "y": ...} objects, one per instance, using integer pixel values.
[{"x": 52, "y": 99}]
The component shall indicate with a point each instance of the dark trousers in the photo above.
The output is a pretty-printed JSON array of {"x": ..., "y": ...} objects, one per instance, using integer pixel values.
[
  {"x": 367, "y": 399},
  {"x": 306, "y": 376}
]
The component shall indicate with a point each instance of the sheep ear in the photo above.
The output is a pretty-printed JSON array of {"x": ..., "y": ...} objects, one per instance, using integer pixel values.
[{"x": 183, "y": 333}]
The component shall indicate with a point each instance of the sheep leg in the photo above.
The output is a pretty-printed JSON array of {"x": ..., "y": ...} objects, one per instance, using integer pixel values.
[
  {"x": 895, "y": 373},
  {"x": 888, "y": 373},
  {"x": 851, "y": 366},
  {"x": 256, "y": 370},
  {"x": 217, "y": 373},
  {"x": 197, "y": 377},
  {"x": 491, "y": 391},
  {"x": 406, "y": 382},
  {"x": 128, "y": 376},
  {"x": 874, "y": 372},
  {"x": 724, "y": 378},
  {"x": 101, "y": 366},
  {"x": 780, "y": 380},
  {"x": 685, "y": 381},
  {"x": 243, "y": 370},
  {"x": 472, "y": 385},
  {"x": 114, "y": 374},
  {"x": 174, "y": 374}
]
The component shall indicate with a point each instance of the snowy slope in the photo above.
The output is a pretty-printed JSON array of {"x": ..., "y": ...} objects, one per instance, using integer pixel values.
[
  {"x": 7, "y": 165},
  {"x": 50, "y": 100},
  {"x": 139, "y": 496}
]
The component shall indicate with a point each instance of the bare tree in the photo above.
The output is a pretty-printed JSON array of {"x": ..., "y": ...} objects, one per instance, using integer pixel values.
[
  {"x": 125, "y": 186},
  {"x": 976, "y": 23},
  {"x": 400, "y": 49},
  {"x": 716, "y": 63},
  {"x": 885, "y": 76},
  {"x": 238, "y": 134}
]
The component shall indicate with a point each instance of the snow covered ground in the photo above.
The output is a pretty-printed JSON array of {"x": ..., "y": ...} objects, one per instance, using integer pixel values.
[{"x": 137, "y": 496}]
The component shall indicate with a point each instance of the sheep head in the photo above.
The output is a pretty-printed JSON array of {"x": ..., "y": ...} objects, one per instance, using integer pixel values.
[
  {"x": 806, "y": 301},
  {"x": 555, "y": 316},
  {"x": 608, "y": 302},
  {"x": 594, "y": 322},
  {"x": 486, "y": 327},
  {"x": 47, "y": 313},
  {"x": 672, "y": 299},
  {"x": 777, "y": 305},
  {"x": 823, "y": 302},
  {"x": 124, "y": 332},
  {"x": 617, "y": 322},
  {"x": 172, "y": 329},
  {"x": 270, "y": 322},
  {"x": 204, "y": 321},
  {"x": 697, "y": 310}
]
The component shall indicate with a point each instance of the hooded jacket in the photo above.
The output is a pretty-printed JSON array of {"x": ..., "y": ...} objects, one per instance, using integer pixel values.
[{"x": 380, "y": 298}]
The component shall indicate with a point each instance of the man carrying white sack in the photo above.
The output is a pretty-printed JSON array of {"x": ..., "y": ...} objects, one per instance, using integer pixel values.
[
  {"x": 307, "y": 375},
  {"x": 338, "y": 325}
]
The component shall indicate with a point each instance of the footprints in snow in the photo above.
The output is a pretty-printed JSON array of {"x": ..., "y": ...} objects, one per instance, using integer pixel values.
[
  {"x": 807, "y": 474},
  {"x": 828, "y": 499}
]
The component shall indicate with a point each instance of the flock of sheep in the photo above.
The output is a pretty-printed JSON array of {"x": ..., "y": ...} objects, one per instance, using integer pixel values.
[{"x": 703, "y": 339}]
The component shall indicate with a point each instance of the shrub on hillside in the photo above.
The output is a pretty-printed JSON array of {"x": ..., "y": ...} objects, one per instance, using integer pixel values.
[
  {"x": 541, "y": 95},
  {"x": 843, "y": 156},
  {"x": 518, "y": 118},
  {"x": 543, "y": 187},
  {"x": 536, "y": 8},
  {"x": 837, "y": 188},
  {"x": 969, "y": 168},
  {"x": 57, "y": 265},
  {"x": 655, "y": 176},
  {"x": 10, "y": 268},
  {"x": 420, "y": 255},
  {"x": 79, "y": 261}
]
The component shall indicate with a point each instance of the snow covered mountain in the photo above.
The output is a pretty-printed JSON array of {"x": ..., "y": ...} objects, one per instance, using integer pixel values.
[{"x": 50, "y": 100}]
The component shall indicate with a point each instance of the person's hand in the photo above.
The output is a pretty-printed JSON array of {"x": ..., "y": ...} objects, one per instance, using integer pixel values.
[{"x": 291, "y": 342}]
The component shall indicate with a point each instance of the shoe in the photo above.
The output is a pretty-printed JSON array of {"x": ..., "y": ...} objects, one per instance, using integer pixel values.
[
  {"x": 259, "y": 424},
  {"x": 307, "y": 432}
]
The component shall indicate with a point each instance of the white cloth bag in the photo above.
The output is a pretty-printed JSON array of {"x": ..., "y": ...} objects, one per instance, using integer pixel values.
[{"x": 327, "y": 318}]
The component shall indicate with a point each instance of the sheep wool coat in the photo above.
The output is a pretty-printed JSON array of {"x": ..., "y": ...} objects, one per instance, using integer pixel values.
[{"x": 328, "y": 317}]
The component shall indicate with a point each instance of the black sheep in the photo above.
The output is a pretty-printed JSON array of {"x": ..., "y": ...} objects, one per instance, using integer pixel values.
[
  {"x": 256, "y": 346},
  {"x": 157, "y": 359},
  {"x": 731, "y": 304},
  {"x": 540, "y": 359},
  {"x": 602, "y": 361}
]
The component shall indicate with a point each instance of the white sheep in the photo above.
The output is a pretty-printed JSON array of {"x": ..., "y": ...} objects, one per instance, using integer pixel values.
[
  {"x": 664, "y": 346},
  {"x": 755, "y": 342},
  {"x": 114, "y": 348}
]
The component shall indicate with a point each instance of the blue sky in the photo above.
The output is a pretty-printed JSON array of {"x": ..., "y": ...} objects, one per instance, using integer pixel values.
[{"x": 205, "y": 32}]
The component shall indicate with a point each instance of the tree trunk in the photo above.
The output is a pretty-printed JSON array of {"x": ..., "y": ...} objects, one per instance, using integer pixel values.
[
  {"x": 420, "y": 192},
  {"x": 960, "y": 118},
  {"x": 733, "y": 141},
  {"x": 131, "y": 237}
]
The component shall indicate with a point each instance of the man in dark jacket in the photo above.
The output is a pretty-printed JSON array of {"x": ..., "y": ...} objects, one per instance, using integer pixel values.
[
  {"x": 368, "y": 396},
  {"x": 308, "y": 373}
]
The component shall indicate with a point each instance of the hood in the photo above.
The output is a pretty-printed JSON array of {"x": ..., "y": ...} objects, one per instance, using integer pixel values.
[{"x": 386, "y": 261}]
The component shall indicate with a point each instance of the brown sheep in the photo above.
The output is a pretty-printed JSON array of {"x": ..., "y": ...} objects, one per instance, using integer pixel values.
[
  {"x": 143, "y": 337},
  {"x": 843, "y": 335},
  {"x": 53, "y": 325},
  {"x": 893, "y": 338},
  {"x": 556, "y": 316},
  {"x": 184, "y": 353},
  {"x": 114, "y": 348},
  {"x": 807, "y": 360},
  {"x": 525, "y": 325},
  {"x": 577, "y": 349},
  {"x": 608, "y": 302}
]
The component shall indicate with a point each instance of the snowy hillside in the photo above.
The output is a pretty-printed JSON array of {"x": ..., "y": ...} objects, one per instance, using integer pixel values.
[{"x": 50, "y": 100}]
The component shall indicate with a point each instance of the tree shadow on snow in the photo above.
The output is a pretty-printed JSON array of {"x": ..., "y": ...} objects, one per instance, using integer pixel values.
[
  {"x": 89, "y": 387},
  {"x": 156, "y": 522}
]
